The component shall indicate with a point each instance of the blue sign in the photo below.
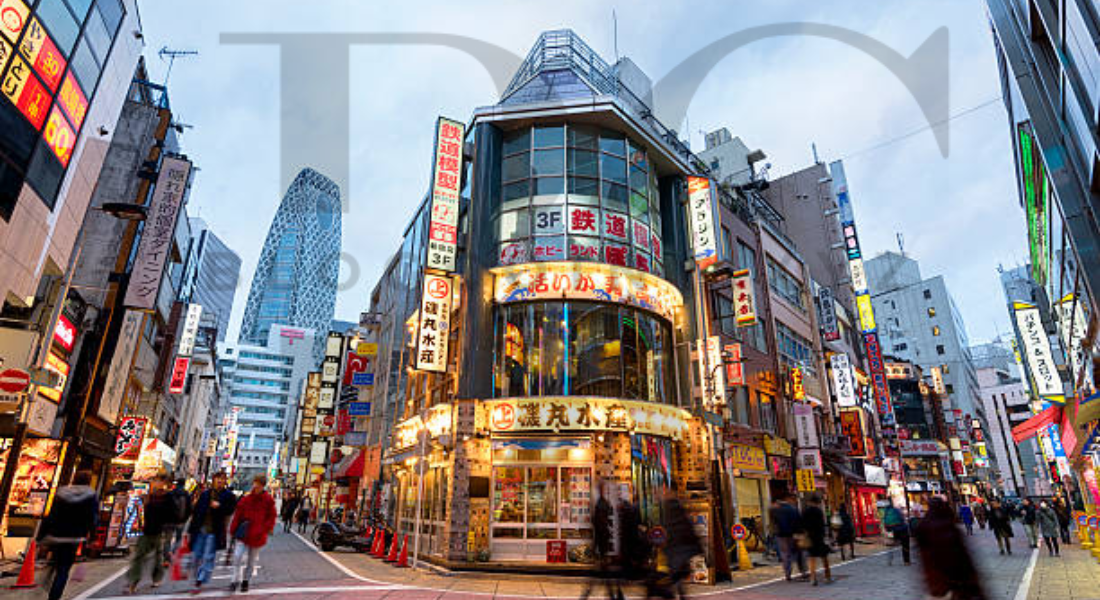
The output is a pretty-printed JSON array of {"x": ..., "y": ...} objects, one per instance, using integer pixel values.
[
  {"x": 362, "y": 379},
  {"x": 359, "y": 409}
]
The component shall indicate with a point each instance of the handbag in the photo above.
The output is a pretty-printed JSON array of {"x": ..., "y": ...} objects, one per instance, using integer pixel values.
[
  {"x": 802, "y": 541},
  {"x": 241, "y": 531}
]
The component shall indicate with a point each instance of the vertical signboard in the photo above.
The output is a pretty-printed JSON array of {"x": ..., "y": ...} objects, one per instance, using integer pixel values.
[
  {"x": 446, "y": 185},
  {"x": 826, "y": 305},
  {"x": 744, "y": 298},
  {"x": 1044, "y": 374},
  {"x": 937, "y": 381},
  {"x": 158, "y": 233},
  {"x": 851, "y": 427},
  {"x": 1073, "y": 326},
  {"x": 1036, "y": 192},
  {"x": 844, "y": 386},
  {"x": 804, "y": 425},
  {"x": 179, "y": 375},
  {"x": 701, "y": 220},
  {"x": 717, "y": 386},
  {"x": 118, "y": 375},
  {"x": 190, "y": 330},
  {"x": 866, "y": 313},
  {"x": 433, "y": 333},
  {"x": 735, "y": 370}
]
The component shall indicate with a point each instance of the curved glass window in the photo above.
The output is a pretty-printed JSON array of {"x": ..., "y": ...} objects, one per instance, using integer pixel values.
[{"x": 581, "y": 349}]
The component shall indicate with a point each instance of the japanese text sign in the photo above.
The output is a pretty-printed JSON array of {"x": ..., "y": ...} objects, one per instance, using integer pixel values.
[
  {"x": 118, "y": 376},
  {"x": 747, "y": 458},
  {"x": 179, "y": 375},
  {"x": 446, "y": 186},
  {"x": 1044, "y": 373},
  {"x": 744, "y": 298},
  {"x": 433, "y": 332},
  {"x": 805, "y": 425},
  {"x": 701, "y": 218},
  {"x": 131, "y": 432},
  {"x": 572, "y": 413},
  {"x": 190, "y": 329},
  {"x": 830, "y": 330},
  {"x": 851, "y": 427},
  {"x": 866, "y": 313},
  {"x": 157, "y": 236},
  {"x": 843, "y": 383}
]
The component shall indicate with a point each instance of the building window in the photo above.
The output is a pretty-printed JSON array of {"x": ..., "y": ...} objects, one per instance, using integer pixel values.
[
  {"x": 950, "y": 388},
  {"x": 939, "y": 349},
  {"x": 727, "y": 243},
  {"x": 900, "y": 347},
  {"x": 796, "y": 349},
  {"x": 946, "y": 369},
  {"x": 927, "y": 294},
  {"x": 931, "y": 311},
  {"x": 785, "y": 285},
  {"x": 714, "y": 164},
  {"x": 767, "y": 412},
  {"x": 936, "y": 331}
]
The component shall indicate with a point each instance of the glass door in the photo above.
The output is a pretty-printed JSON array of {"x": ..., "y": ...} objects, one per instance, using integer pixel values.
[{"x": 535, "y": 503}]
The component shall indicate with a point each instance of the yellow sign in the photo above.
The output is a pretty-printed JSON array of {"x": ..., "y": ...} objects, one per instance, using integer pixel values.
[
  {"x": 777, "y": 446},
  {"x": 748, "y": 458},
  {"x": 866, "y": 313},
  {"x": 366, "y": 349},
  {"x": 570, "y": 413},
  {"x": 805, "y": 480}
]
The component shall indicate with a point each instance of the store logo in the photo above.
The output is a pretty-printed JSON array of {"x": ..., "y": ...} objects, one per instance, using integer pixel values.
[
  {"x": 64, "y": 333},
  {"x": 504, "y": 416},
  {"x": 438, "y": 288}
]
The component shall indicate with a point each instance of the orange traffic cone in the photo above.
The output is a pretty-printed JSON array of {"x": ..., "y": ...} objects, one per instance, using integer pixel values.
[
  {"x": 26, "y": 574},
  {"x": 378, "y": 550},
  {"x": 403, "y": 559},
  {"x": 393, "y": 549}
]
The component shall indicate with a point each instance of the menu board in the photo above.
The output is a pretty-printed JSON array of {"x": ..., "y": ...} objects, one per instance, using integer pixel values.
[
  {"x": 577, "y": 503},
  {"x": 34, "y": 476}
]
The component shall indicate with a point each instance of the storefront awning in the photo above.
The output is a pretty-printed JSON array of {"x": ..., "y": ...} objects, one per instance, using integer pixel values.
[
  {"x": 350, "y": 466},
  {"x": 844, "y": 470}
]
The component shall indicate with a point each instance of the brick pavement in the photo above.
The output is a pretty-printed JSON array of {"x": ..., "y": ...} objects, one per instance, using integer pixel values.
[{"x": 1073, "y": 576}]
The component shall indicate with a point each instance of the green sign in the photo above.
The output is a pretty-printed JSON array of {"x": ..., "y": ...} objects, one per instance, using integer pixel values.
[{"x": 1036, "y": 202}]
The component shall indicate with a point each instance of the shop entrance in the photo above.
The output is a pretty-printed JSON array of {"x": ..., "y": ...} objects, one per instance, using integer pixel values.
[{"x": 541, "y": 491}]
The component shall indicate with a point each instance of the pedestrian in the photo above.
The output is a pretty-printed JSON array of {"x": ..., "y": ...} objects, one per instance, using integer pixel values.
[
  {"x": 289, "y": 508},
  {"x": 305, "y": 509},
  {"x": 980, "y": 513},
  {"x": 181, "y": 503},
  {"x": 813, "y": 520},
  {"x": 1048, "y": 524},
  {"x": 1029, "y": 517},
  {"x": 896, "y": 524},
  {"x": 601, "y": 546},
  {"x": 966, "y": 515},
  {"x": 633, "y": 546},
  {"x": 156, "y": 523},
  {"x": 946, "y": 563},
  {"x": 846, "y": 533},
  {"x": 682, "y": 545},
  {"x": 252, "y": 523},
  {"x": 1064, "y": 519},
  {"x": 787, "y": 524},
  {"x": 1000, "y": 522},
  {"x": 73, "y": 517},
  {"x": 209, "y": 518}
]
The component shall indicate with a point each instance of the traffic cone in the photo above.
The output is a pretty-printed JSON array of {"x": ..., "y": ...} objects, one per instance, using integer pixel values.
[
  {"x": 393, "y": 549},
  {"x": 403, "y": 559},
  {"x": 379, "y": 548},
  {"x": 744, "y": 562},
  {"x": 26, "y": 573}
]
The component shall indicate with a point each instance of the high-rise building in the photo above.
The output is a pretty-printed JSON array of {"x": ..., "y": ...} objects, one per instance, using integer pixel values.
[
  {"x": 218, "y": 270},
  {"x": 299, "y": 267}
]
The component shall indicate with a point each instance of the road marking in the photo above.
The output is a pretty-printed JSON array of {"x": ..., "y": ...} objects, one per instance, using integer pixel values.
[
  {"x": 338, "y": 565},
  {"x": 750, "y": 586},
  {"x": 1025, "y": 583},
  {"x": 260, "y": 591},
  {"x": 102, "y": 584}
]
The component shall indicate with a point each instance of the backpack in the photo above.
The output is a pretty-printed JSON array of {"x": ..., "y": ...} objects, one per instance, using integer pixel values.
[{"x": 179, "y": 506}]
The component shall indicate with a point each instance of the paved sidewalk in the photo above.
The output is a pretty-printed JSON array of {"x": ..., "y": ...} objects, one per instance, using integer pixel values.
[
  {"x": 94, "y": 571},
  {"x": 1073, "y": 576}
]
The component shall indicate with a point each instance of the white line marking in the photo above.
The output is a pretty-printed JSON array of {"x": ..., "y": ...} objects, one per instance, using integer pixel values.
[
  {"x": 258, "y": 592},
  {"x": 102, "y": 584},
  {"x": 1025, "y": 583},
  {"x": 338, "y": 565}
]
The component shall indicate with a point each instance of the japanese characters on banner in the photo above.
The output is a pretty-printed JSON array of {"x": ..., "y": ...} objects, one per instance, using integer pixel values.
[
  {"x": 919, "y": 447},
  {"x": 747, "y": 458},
  {"x": 744, "y": 298},
  {"x": 844, "y": 386},
  {"x": 1044, "y": 374},
  {"x": 1073, "y": 325},
  {"x": 826, "y": 305},
  {"x": 798, "y": 386},
  {"x": 735, "y": 370},
  {"x": 704, "y": 237},
  {"x": 158, "y": 233},
  {"x": 433, "y": 332},
  {"x": 586, "y": 281},
  {"x": 190, "y": 329},
  {"x": 858, "y": 274},
  {"x": 805, "y": 426},
  {"x": 571, "y": 413},
  {"x": 446, "y": 185},
  {"x": 866, "y": 313},
  {"x": 131, "y": 431},
  {"x": 851, "y": 427},
  {"x": 937, "y": 381},
  {"x": 119, "y": 373},
  {"x": 178, "y": 379},
  {"x": 714, "y": 388}
]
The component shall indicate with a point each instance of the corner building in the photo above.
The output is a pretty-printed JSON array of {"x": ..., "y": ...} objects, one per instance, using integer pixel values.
[{"x": 569, "y": 363}]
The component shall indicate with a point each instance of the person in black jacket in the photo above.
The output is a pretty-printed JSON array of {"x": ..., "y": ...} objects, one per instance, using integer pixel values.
[
  {"x": 73, "y": 517},
  {"x": 181, "y": 504},
  {"x": 948, "y": 567},
  {"x": 787, "y": 523},
  {"x": 683, "y": 544},
  {"x": 157, "y": 521},
  {"x": 601, "y": 546},
  {"x": 813, "y": 520},
  {"x": 846, "y": 533},
  {"x": 1000, "y": 521},
  {"x": 209, "y": 522}
]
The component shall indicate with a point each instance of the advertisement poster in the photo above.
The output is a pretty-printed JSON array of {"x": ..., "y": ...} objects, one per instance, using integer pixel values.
[{"x": 34, "y": 476}]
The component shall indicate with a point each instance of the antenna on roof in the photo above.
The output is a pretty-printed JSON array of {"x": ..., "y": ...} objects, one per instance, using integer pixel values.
[
  {"x": 615, "y": 33},
  {"x": 901, "y": 243},
  {"x": 813, "y": 147},
  {"x": 172, "y": 55}
]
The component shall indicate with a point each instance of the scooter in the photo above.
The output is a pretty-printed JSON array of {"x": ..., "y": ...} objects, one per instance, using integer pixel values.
[{"x": 328, "y": 535}]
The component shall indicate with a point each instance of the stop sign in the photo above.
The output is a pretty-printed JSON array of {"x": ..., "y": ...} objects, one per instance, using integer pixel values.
[{"x": 14, "y": 381}]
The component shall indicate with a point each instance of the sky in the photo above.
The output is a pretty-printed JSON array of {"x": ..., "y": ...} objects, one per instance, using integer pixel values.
[{"x": 958, "y": 215}]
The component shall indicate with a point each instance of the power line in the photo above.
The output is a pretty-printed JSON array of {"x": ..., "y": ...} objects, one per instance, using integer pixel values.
[{"x": 923, "y": 128}]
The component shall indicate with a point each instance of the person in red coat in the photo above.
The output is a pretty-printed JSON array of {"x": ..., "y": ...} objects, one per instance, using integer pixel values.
[{"x": 252, "y": 523}]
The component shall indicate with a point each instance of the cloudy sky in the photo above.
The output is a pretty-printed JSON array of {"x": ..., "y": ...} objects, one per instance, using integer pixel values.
[{"x": 959, "y": 215}]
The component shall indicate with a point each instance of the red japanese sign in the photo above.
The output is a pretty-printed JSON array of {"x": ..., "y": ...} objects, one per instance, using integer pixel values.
[
  {"x": 34, "y": 102},
  {"x": 583, "y": 220},
  {"x": 614, "y": 226},
  {"x": 60, "y": 137},
  {"x": 614, "y": 254},
  {"x": 735, "y": 370},
  {"x": 49, "y": 64},
  {"x": 641, "y": 262},
  {"x": 13, "y": 16},
  {"x": 64, "y": 333},
  {"x": 556, "y": 551},
  {"x": 446, "y": 181},
  {"x": 131, "y": 432},
  {"x": 179, "y": 375},
  {"x": 851, "y": 426},
  {"x": 72, "y": 100}
]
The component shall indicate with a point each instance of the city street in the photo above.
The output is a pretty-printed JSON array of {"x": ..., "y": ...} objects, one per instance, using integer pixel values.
[{"x": 292, "y": 569}]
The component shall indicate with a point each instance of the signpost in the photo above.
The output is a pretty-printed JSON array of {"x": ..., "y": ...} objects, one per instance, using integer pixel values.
[
  {"x": 14, "y": 381},
  {"x": 739, "y": 533}
]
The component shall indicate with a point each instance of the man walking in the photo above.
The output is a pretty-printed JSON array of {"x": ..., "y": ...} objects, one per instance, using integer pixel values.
[
  {"x": 181, "y": 503},
  {"x": 289, "y": 509},
  {"x": 74, "y": 515},
  {"x": 1029, "y": 517},
  {"x": 966, "y": 515},
  {"x": 601, "y": 545},
  {"x": 252, "y": 523},
  {"x": 1000, "y": 522},
  {"x": 160, "y": 515},
  {"x": 209, "y": 519},
  {"x": 895, "y": 523},
  {"x": 787, "y": 522}
]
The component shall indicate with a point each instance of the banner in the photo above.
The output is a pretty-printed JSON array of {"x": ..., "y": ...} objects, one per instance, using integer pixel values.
[
  {"x": 704, "y": 239},
  {"x": 433, "y": 332},
  {"x": 157, "y": 235},
  {"x": 572, "y": 413},
  {"x": 1034, "y": 425},
  {"x": 744, "y": 298},
  {"x": 804, "y": 425},
  {"x": 826, "y": 305},
  {"x": 851, "y": 427},
  {"x": 118, "y": 376},
  {"x": 843, "y": 384},
  {"x": 1044, "y": 374},
  {"x": 446, "y": 185},
  {"x": 190, "y": 330}
]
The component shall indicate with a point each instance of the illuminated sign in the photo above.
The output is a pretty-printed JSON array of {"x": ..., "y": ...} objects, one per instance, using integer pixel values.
[
  {"x": 843, "y": 384},
  {"x": 1036, "y": 202},
  {"x": 701, "y": 217},
  {"x": 446, "y": 183},
  {"x": 158, "y": 234},
  {"x": 179, "y": 375},
  {"x": 1044, "y": 374},
  {"x": 937, "y": 381},
  {"x": 586, "y": 281},
  {"x": 859, "y": 275},
  {"x": 57, "y": 365},
  {"x": 190, "y": 329},
  {"x": 826, "y": 306},
  {"x": 572, "y": 413},
  {"x": 434, "y": 329},
  {"x": 24, "y": 90},
  {"x": 805, "y": 426},
  {"x": 131, "y": 432},
  {"x": 13, "y": 16},
  {"x": 366, "y": 349},
  {"x": 710, "y": 372},
  {"x": 866, "y": 313},
  {"x": 64, "y": 333},
  {"x": 41, "y": 52},
  {"x": 851, "y": 427},
  {"x": 1073, "y": 326},
  {"x": 798, "y": 388},
  {"x": 920, "y": 447},
  {"x": 744, "y": 298},
  {"x": 59, "y": 136},
  {"x": 735, "y": 371},
  {"x": 72, "y": 100},
  {"x": 747, "y": 458}
]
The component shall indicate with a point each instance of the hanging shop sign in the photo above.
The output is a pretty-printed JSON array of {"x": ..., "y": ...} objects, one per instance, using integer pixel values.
[
  {"x": 131, "y": 432},
  {"x": 1037, "y": 205},
  {"x": 747, "y": 458},
  {"x": 805, "y": 478},
  {"x": 437, "y": 422},
  {"x": 826, "y": 306},
  {"x": 859, "y": 275},
  {"x": 433, "y": 332},
  {"x": 937, "y": 381},
  {"x": 359, "y": 409},
  {"x": 779, "y": 467},
  {"x": 119, "y": 373},
  {"x": 777, "y": 446},
  {"x": 446, "y": 185},
  {"x": 878, "y": 382},
  {"x": 56, "y": 365},
  {"x": 744, "y": 298},
  {"x": 64, "y": 333},
  {"x": 798, "y": 385},
  {"x": 190, "y": 330},
  {"x": 851, "y": 427},
  {"x": 809, "y": 459},
  {"x": 704, "y": 237},
  {"x": 366, "y": 349},
  {"x": 805, "y": 425},
  {"x": 586, "y": 281},
  {"x": 354, "y": 364},
  {"x": 179, "y": 375},
  {"x": 866, "y": 313},
  {"x": 362, "y": 379},
  {"x": 844, "y": 386},
  {"x": 735, "y": 370},
  {"x": 1073, "y": 326},
  {"x": 714, "y": 377},
  {"x": 158, "y": 234},
  {"x": 919, "y": 447},
  {"x": 586, "y": 414},
  {"x": 1044, "y": 374}
]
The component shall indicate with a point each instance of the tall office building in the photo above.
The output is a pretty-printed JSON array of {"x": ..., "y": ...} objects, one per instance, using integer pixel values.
[
  {"x": 218, "y": 272},
  {"x": 296, "y": 277}
]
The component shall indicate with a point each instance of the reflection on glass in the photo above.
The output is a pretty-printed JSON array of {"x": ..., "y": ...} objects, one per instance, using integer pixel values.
[
  {"x": 549, "y": 162},
  {"x": 613, "y": 143},
  {"x": 517, "y": 141},
  {"x": 542, "y": 495},
  {"x": 508, "y": 494},
  {"x": 548, "y": 137}
]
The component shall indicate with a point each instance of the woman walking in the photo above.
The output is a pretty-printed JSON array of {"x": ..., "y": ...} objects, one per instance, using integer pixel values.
[
  {"x": 252, "y": 523},
  {"x": 1048, "y": 526},
  {"x": 945, "y": 560},
  {"x": 813, "y": 520},
  {"x": 846, "y": 533},
  {"x": 1000, "y": 521}
]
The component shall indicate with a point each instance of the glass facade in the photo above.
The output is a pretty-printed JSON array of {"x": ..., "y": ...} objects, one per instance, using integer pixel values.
[
  {"x": 572, "y": 192},
  {"x": 581, "y": 349}
]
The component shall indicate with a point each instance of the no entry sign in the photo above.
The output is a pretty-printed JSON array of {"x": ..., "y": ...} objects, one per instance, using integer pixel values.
[
  {"x": 14, "y": 381},
  {"x": 738, "y": 531}
]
